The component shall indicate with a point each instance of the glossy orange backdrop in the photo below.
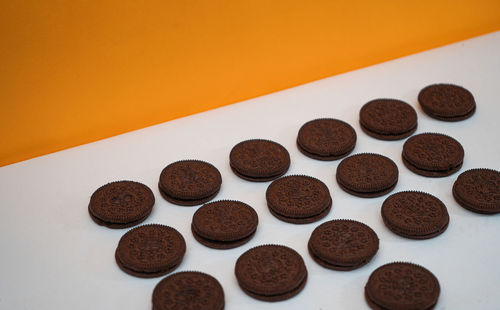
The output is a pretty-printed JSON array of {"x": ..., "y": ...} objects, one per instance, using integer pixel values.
[{"x": 73, "y": 72}]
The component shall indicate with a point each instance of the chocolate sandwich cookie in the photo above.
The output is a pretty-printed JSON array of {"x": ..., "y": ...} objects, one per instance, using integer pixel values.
[
  {"x": 150, "y": 251},
  {"x": 447, "y": 102},
  {"x": 367, "y": 175},
  {"x": 398, "y": 286},
  {"x": 415, "y": 215},
  {"x": 433, "y": 155},
  {"x": 188, "y": 290},
  {"x": 388, "y": 119},
  {"x": 189, "y": 182},
  {"x": 224, "y": 224},
  {"x": 271, "y": 272},
  {"x": 259, "y": 160},
  {"x": 326, "y": 139},
  {"x": 121, "y": 204},
  {"x": 298, "y": 199},
  {"x": 343, "y": 244},
  {"x": 478, "y": 190}
]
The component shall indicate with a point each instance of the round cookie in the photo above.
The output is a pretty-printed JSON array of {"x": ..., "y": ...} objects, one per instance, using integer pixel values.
[
  {"x": 415, "y": 215},
  {"x": 447, "y": 102},
  {"x": 478, "y": 190},
  {"x": 298, "y": 199},
  {"x": 259, "y": 160},
  {"x": 326, "y": 139},
  {"x": 433, "y": 155},
  {"x": 188, "y": 290},
  {"x": 388, "y": 119},
  {"x": 367, "y": 175},
  {"x": 189, "y": 182},
  {"x": 224, "y": 224},
  {"x": 399, "y": 285},
  {"x": 271, "y": 272},
  {"x": 150, "y": 251},
  {"x": 121, "y": 204},
  {"x": 343, "y": 244}
]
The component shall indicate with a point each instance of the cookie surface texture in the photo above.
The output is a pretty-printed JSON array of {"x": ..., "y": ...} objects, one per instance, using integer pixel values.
[
  {"x": 259, "y": 160},
  {"x": 326, "y": 139},
  {"x": 188, "y": 290},
  {"x": 433, "y": 155},
  {"x": 298, "y": 199},
  {"x": 189, "y": 182},
  {"x": 402, "y": 286},
  {"x": 478, "y": 190},
  {"x": 150, "y": 250},
  {"x": 447, "y": 102},
  {"x": 343, "y": 244},
  {"x": 121, "y": 204},
  {"x": 367, "y": 175},
  {"x": 271, "y": 272},
  {"x": 388, "y": 119},
  {"x": 415, "y": 215},
  {"x": 224, "y": 224}
]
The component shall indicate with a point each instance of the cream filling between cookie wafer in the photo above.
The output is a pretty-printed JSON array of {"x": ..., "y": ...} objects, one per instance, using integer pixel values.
[
  {"x": 402, "y": 133},
  {"x": 236, "y": 239},
  {"x": 340, "y": 152},
  {"x": 342, "y": 184},
  {"x": 415, "y": 234},
  {"x": 137, "y": 272},
  {"x": 326, "y": 208},
  {"x": 337, "y": 266},
  {"x": 443, "y": 171},
  {"x": 270, "y": 295}
]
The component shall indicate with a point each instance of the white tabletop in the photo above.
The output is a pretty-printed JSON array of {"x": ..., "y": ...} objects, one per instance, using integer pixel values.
[{"x": 53, "y": 256}]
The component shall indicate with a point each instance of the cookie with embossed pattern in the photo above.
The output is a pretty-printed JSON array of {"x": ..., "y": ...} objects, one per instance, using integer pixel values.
[
  {"x": 326, "y": 139},
  {"x": 189, "y": 182},
  {"x": 447, "y": 102},
  {"x": 259, "y": 160},
  {"x": 388, "y": 119},
  {"x": 478, "y": 190},
  {"x": 150, "y": 251},
  {"x": 343, "y": 244},
  {"x": 271, "y": 272},
  {"x": 298, "y": 199},
  {"x": 121, "y": 204},
  {"x": 402, "y": 286},
  {"x": 433, "y": 155},
  {"x": 415, "y": 215},
  {"x": 188, "y": 290},
  {"x": 224, "y": 224},
  {"x": 367, "y": 175}
]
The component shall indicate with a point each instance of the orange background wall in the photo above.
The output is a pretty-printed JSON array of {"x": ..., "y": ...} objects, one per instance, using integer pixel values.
[{"x": 73, "y": 72}]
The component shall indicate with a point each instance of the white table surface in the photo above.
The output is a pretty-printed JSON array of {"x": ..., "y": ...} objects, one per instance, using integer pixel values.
[{"x": 53, "y": 256}]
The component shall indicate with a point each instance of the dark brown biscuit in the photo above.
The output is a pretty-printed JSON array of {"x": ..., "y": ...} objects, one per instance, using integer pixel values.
[
  {"x": 298, "y": 199},
  {"x": 121, "y": 204},
  {"x": 224, "y": 224},
  {"x": 326, "y": 139},
  {"x": 478, "y": 190},
  {"x": 415, "y": 215},
  {"x": 343, "y": 244},
  {"x": 367, "y": 175},
  {"x": 259, "y": 160},
  {"x": 433, "y": 155},
  {"x": 189, "y": 182},
  {"x": 402, "y": 286},
  {"x": 150, "y": 250},
  {"x": 271, "y": 272},
  {"x": 188, "y": 290},
  {"x": 447, "y": 102},
  {"x": 388, "y": 119}
]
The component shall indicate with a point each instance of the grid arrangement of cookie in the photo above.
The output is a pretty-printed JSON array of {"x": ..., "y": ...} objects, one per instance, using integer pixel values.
[{"x": 274, "y": 272}]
